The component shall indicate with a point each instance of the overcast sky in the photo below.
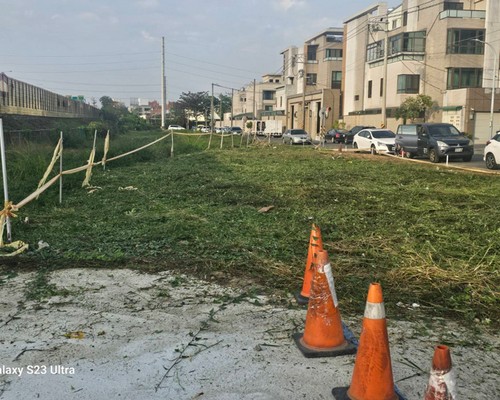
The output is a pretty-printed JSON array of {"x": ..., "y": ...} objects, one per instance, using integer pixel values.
[{"x": 113, "y": 47}]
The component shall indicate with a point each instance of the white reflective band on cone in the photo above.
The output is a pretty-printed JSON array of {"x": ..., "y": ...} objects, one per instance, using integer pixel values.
[
  {"x": 374, "y": 310},
  {"x": 443, "y": 383},
  {"x": 331, "y": 283}
]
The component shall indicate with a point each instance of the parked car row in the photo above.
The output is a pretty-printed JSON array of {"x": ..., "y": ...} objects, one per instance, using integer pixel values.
[
  {"x": 235, "y": 130},
  {"x": 336, "y": 135},
  {"x": 434, "y": 141}
]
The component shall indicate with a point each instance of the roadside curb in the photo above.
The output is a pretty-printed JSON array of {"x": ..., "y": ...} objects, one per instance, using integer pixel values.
[{"x": 471, "y": 169}]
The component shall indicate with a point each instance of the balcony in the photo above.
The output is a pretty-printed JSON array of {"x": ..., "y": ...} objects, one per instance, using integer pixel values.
[{"x": 462, "y": 14}]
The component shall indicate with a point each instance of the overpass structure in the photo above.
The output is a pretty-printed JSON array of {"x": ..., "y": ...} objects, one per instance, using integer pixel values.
[{"x": 21, "y": 98}]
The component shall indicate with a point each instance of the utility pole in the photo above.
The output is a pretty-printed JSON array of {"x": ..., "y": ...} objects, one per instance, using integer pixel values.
[
  {"x": 232, "y": 96},
  {"x": 384, "y": 94},
  {"x": 381, "y": 23},
  {"x": 493, "y": 83},
  {"x": 254, "y": 107},
  {"x": 220, "y": 109},
  {"x": 303, "y": 73},
  {"x": 212, "y": 111},
  {"x": 163, "y": 88}
]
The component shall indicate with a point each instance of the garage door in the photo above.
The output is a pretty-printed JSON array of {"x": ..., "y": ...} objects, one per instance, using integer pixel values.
[{"x": 482, "y": 126}]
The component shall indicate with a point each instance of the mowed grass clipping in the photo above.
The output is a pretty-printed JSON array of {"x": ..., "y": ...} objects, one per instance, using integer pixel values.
[{"x": 430, "y": 235}]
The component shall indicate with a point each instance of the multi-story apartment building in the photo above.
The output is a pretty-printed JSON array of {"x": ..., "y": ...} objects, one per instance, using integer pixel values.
[
  {"x": 312, "y": 75},
  {"x": 258, "y": 99},
  {"x": 447, "y": 50}
]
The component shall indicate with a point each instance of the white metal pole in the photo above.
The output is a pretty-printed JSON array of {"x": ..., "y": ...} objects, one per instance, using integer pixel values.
[
  {"x": 212, "y": 111},
  {"x": 4, "y": 176},
  {"x": 61, "y": 170},
  {"x": 493, "y": 82},
  {"x": 222, "y": 132},
  {"x": 493, "y": 86},
  {"x": 493, "y": 89},
  {"x": 163, "y": 89},
  {"x": 384, "y": 94},
  {"x": 172, "y": 145}
]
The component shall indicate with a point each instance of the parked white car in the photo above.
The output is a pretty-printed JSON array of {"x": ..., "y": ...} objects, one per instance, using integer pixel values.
[
  {"x": 176, "y": 128},
  {"x": 374, "y": 140},
  {"x": 492, "y": 152}
]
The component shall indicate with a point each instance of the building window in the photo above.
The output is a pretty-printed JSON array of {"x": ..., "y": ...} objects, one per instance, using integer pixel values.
[
  {"x": 407, "y": 42},
  {"x": 311, "y": 79},
  {"x": 333, "y": 54},
  {"x": 375, "y": 51},
  {"x": 370, "y": 86},
  {"x": 448, "y": 5},
  {"x": 334, "y": 37},
  {"x": 408, "y": 83},
  {"x": 381, "y": 87},
  {"x": 311, "y": 52},
  {"x": 356, "y": 97},
  {"x": 336, "y": 79},
  {"x": 464, "y": 78},
  {"x": 461, "y": 41},
  {"x": 405, "y": 18},
  {"x": 267, "y": 95},
  {"x": 268, "y": 108}
]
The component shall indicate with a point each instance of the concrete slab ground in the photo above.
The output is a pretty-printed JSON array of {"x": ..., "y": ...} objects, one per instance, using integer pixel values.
[{"x": 119, "y": 334}]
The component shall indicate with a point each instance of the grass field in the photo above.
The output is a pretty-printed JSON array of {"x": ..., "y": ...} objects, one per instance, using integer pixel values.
[{"x": 430, "y": 235}]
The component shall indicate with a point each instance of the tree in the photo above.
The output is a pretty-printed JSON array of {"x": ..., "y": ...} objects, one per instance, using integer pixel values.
[
  {"x": 116, "y": 116},
  {"x": 226, "y": 103},
  {"x": 415, "y": 107},
  {"x": 195, "y": 104},
  {"x": 112, "y": 110}
]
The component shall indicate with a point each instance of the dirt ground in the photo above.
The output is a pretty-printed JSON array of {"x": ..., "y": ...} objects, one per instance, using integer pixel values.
[{"x": 119, "y": 334}]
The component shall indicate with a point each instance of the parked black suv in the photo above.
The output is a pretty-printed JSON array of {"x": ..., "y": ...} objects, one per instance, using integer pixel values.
[{"x": 433, "y": 141}]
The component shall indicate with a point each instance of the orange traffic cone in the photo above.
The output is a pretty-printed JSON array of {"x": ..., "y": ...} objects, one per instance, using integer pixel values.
[
  {"x": 323, "y": 335},
  {"x": 441, "y": 381},
  {"x": 315, "y": 244},
  {"x": 372, "y": 375}
]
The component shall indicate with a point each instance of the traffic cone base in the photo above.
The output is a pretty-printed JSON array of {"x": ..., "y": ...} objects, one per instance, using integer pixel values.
[
  {"x": 323, "y": 331},
  {"x": 301, "y": 300},
  {"x": 340, "y": 393},
  {"x": 372, "y": 375},
  {"x": 316, "y": 352}
]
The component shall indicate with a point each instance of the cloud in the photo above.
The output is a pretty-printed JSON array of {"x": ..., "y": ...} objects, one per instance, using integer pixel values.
[
  {"x": 289, "y": 4},
  {"x": 148, "y": 3},
  {"x": 88, "y": 16},
  {"x": 147, "y": 36}
]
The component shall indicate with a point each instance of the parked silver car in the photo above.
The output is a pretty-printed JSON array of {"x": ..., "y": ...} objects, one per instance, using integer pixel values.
[{"x": 296, "y": 136}]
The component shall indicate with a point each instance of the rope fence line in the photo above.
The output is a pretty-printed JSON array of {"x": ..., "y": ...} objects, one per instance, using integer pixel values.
[{"x": 10, "y": 208}]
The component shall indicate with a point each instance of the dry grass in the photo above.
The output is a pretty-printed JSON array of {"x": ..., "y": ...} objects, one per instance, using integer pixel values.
[{"x": 430, "y": 236}]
